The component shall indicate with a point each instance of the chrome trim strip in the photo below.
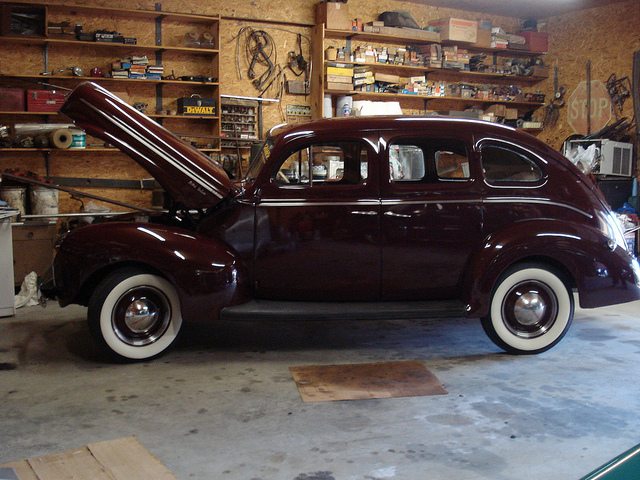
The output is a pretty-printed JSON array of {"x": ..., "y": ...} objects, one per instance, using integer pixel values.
[
  {"x": 537, "y": 201},
  {"x": 428, "y": 202},
  {"x": 311, "y": 203}
]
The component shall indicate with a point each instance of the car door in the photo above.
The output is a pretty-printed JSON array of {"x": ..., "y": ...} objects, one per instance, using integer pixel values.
[
  {"x": 318, "y": 225},
  {"x": 431, "y": 215}
]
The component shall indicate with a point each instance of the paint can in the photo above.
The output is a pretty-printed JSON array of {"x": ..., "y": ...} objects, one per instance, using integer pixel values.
[
  {"x": 44, "y": 201},
  {"x": 15, "y": 197},
  {"x": 78, "y": 139}
]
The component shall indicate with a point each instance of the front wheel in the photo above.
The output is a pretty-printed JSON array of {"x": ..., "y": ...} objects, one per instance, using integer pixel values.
[
  {"x": 531, "y": 310},
  {"x": 134, "y": 315}
]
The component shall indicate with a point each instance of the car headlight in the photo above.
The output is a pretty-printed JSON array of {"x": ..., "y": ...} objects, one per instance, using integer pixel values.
[{"x": 612, "y": 229}]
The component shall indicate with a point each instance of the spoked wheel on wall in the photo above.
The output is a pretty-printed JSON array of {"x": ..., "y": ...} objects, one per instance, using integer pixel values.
[
  {"x": 134, "y": 315},
  {"x": 531, "y": 309}
]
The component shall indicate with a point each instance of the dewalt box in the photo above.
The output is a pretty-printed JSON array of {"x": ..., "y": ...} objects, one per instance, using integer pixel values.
[
  {"x": 44, "y": 100},
  {"x": 197, "y": 106}
]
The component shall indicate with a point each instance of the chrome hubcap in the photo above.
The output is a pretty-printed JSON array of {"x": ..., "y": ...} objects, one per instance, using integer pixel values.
[
  {"x": 529, "y": 309},
  {"x": 141, "y": 316}
]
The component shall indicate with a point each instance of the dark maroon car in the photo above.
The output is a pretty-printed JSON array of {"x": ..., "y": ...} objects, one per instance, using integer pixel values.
[{"x": 403, "y": 217}]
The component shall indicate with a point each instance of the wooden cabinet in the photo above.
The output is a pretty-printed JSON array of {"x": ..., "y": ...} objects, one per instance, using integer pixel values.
[
  {"x": 33, "y": 244},
  {"x": 323, "y": 38}
]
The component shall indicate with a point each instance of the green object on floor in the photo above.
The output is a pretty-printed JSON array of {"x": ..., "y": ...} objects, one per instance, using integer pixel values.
[{"x": 625, "y": 466}]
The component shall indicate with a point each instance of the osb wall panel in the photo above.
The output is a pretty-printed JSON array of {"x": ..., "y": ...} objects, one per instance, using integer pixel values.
[
  {"x": 573, "y": 40},
  {"x": 607, "y": 37}
]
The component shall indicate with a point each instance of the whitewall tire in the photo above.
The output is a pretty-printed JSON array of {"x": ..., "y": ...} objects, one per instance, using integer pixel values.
[
  {"x": 134, "y": 315},
  {"x": 531, "y": 309}
]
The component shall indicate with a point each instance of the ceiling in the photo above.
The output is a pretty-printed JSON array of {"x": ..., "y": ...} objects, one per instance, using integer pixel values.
[{"x": 523, "y": 9}]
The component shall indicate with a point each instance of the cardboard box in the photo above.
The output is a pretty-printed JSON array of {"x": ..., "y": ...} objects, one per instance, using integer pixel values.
[
  {"x": 386, "y": 77},
  {"x": 338, "y": 79},
  {"x": 457, "y": 29},
  {"x": 410, "y": 32},
  {"x": 44, "y": 101},
  {"x": 334, "y": 15},
  {"x": 342, "y": 87},
  {"x": 483, "y": 39},
  {"x": 538, "y": 42},
  {"x": 501, "y": 110}
]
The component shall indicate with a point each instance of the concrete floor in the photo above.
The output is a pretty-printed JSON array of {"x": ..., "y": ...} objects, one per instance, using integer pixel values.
[{"x": 223, "y": 405}]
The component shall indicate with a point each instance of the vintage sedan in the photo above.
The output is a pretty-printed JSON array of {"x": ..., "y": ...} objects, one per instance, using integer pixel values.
[{"x": 349, "y": 218}]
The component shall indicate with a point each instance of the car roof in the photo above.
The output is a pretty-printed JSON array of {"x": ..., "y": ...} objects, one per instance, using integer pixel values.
[{"x": 411, "y": 122}]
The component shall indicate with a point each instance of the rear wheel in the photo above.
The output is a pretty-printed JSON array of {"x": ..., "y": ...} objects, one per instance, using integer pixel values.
[
  {"x": 134, "y": 315},
  {"x": 531, "y": 309}
]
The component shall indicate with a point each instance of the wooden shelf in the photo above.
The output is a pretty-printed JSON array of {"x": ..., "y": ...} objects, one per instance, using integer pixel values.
[
  {"x": 48, "y": 50},
  {"x": 320, "y": 36},
  {"x": 74, "y": 79},
  {"x": 425, "y": 98},
  {"x": 410, "y": 70},
  {"x": 126, "y": 12},
  {"x": 408, "y": 39},
  {"x": 48, "y": 42}
]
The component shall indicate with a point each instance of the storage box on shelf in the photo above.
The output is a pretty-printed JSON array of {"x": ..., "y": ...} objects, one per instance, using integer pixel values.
[{"x": 325, "y": 81}]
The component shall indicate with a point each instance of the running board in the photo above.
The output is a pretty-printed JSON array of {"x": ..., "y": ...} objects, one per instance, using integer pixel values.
[{"x": 268, "y": 310}]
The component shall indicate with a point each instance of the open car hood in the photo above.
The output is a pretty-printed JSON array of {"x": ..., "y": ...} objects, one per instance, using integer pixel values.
[{"x": 189, "y": 176}]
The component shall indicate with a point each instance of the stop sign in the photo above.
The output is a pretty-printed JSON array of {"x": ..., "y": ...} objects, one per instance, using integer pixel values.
[{"x": 600, "y": 107}]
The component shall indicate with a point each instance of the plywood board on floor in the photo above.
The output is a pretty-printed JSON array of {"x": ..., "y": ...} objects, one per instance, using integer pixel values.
[
  {"x": 122, "y": 459},
  {"x": 323, "y": 383}
]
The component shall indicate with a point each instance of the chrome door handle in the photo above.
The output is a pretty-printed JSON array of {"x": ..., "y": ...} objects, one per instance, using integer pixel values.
[
  {"x": 398, "y": 215},
  {"x": 364, "y": 212}
]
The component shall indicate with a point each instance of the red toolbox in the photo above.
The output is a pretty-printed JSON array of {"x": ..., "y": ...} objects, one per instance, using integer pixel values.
[
  {"x": 11, "y": 99},
  {"x": 44, "y": 100}
]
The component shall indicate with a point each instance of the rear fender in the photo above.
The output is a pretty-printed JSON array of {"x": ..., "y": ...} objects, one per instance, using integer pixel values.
[
  {"x": 601, "y": 276},
  {"x": 207, "y": 273}
]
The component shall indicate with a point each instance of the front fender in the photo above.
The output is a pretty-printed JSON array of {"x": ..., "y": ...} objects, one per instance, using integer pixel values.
[
  {"x": 601, "y": 276},
  {"x": 207, "y": 273}
]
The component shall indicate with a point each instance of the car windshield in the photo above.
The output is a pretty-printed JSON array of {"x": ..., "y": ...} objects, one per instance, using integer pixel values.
[{"x": 258, "y": 161}]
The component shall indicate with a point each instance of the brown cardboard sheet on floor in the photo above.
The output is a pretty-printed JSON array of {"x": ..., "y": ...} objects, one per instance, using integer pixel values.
[
  {"x": 323, "y": 383},
  {"x": 122, "y": 459}
]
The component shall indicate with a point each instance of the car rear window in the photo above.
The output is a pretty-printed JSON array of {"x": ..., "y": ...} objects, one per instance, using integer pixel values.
[
  {"x": 428, "y": 160},
  {"x": 505, "y": 165}
]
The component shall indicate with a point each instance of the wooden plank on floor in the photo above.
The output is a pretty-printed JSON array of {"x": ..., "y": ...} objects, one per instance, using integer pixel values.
[
  {"x": 74, "y": 464},
  {"x": 22, "y": 469},
  {"x": 322, "y": 383},
  {"x": 127, "y": 459}
]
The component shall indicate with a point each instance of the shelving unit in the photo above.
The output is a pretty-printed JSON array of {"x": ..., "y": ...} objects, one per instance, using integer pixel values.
[
  {"x": 239, "y": 121},
  {"x": 322, "y": 38},
  {"x": 27, "y": 61}
]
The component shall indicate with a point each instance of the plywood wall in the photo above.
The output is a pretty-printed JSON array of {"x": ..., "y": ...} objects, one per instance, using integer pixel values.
[{"x": 606, "y": 36}]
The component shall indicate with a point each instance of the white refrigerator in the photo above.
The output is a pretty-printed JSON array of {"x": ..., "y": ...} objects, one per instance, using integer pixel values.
[{"x": 7, "y": 287}]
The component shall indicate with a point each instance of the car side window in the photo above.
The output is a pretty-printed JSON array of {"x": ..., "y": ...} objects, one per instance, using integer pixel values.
[
  {"x": 336, "y": 163},
  {"x": 429, "y": 160},
  {"x": 505, "y": 165}
]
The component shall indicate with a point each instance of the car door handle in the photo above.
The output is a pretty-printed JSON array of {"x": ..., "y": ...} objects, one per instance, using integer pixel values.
[
  {"x": 397, "y": 215},
  {"x": 364, "y": 212}
]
